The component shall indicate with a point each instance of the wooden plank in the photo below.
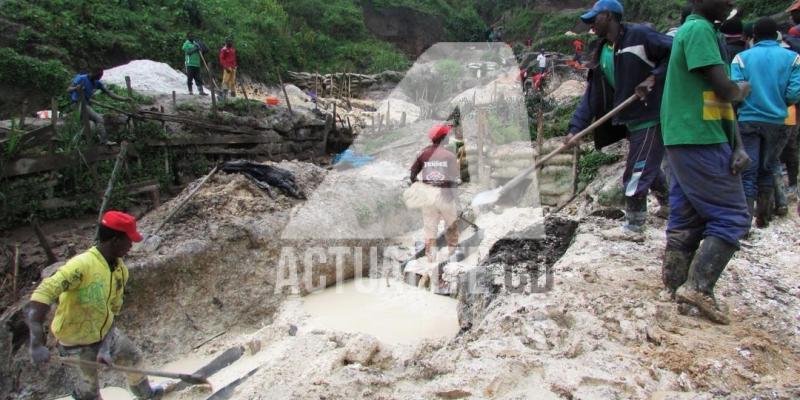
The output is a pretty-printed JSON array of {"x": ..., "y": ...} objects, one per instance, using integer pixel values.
[
  {"x": 266, "y": 137},
  {"x": 29, "y": 165}
]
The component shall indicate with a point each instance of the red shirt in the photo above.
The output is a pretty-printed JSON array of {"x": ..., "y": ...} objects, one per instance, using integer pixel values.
[
  {"x": 438, "y": 165},
  {"x": 227, "y": 57},
  {"x": 578, "y": 45}
]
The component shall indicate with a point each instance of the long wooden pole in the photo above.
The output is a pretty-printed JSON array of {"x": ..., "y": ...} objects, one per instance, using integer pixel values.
[
  {"x": 123, "y": 150},
  {"x": 185, "y": 200},
  {"x": 285, "y": 95}
]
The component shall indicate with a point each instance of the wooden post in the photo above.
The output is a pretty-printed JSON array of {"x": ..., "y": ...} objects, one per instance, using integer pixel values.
[
  {"x": 23, "y": 113},
  {"x": 48, "y": 251},
  {"x": 285, "y": 95},
  {"x": 174, "y": 101},
  {"x": 481, "y": 132},
  {"x": 130, "y": 96},
  {"x": 403, "y": 120},
  {"x": 331, "y": 91},
  {"x": 213, "y": 101},
  {"x": 334, "y": 115},
  {"x": 539, "y": 131},
  {"x": 16, "y": 271},
  {"x": 380, "y": 121},
  {"x": 123, "y": 149},
  {"x": 373, "y": 121},
  {"x": 54, "y": 115},
  {"x": 388, "y": 114}
]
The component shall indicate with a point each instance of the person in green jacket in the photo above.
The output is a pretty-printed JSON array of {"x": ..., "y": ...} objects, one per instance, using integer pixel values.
[
  {"x": 89, "y": 291},
  {"x": 191, "y": 49}
]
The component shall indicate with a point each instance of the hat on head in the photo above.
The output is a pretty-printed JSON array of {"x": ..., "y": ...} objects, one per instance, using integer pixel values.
[
  {"x": 438, "y": 131},
  {"x": 602, "y": 6},
  {"x": 121, "y": 222}
]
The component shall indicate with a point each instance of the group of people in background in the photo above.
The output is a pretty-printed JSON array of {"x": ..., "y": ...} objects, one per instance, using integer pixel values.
[
  {"x": 194, "y": 60},
  {"x": 716, "y": 116}
]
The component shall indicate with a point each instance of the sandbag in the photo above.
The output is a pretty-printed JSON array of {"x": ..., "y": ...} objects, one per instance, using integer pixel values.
[{"x": 421, "y": 195}]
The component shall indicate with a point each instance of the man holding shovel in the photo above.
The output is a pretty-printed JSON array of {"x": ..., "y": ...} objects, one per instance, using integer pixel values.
[
  {"x": 89, "y": 290},
  {"x": 192, "y": 51},
  {"x": 629, "y": 58}
]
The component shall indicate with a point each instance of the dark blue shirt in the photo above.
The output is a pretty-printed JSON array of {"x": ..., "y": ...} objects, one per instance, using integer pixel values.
[{"x": 89, "y": 86}]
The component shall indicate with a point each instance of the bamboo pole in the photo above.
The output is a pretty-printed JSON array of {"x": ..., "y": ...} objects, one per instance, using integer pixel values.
[
  {"x": 130, "y": 96},
  {"x": 174, "y": 101},
  {"x": 285, "y": 95},
  {"x": 185, "y": 200},
  {"x": 123, "y": 149}
]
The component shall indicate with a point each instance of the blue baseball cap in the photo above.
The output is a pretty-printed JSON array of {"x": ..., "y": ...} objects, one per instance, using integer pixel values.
[{"x": 601, "y": 6}]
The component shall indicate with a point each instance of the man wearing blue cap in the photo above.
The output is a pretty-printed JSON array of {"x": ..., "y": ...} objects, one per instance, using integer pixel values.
[
  {"x": 628, "y": 59},
  {"x": 708, "y": 214}
]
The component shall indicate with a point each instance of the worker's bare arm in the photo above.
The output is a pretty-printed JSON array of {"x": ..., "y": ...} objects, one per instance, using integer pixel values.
[
  {"x": 35, "y": 314},
  {"x": 723, "y": 87}
]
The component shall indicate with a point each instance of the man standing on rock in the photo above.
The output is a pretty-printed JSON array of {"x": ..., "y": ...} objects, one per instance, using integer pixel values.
[
  {"x": 227, "y": 60},
  {"x": 87, "y": 84},
  {"x": 438, "y": 167},
  {"x": 706, "y": 156},
  {"x": 774, "y": 75},
  {"x": 89, "y": 290},
  {"x": 630, "y": 58},
  {"x": 192, "y": 62}
]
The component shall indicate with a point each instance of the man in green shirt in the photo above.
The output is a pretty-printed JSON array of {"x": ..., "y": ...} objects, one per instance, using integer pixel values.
[
  {"x": 192, "y": 62},
  {"x": 706, "y": 157}
]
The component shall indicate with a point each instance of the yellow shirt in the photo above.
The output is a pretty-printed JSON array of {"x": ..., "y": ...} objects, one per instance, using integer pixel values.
[{"x": 89, "y": 295}]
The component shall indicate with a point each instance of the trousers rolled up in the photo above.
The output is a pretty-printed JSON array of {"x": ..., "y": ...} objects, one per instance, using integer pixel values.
[
  {"x": 705, "y": 198},
  {"x": 443, "y": 209},
  {"x": 229, "y": 79},
  {"x": 96, "y": 119},
  {"x": 85, "y": 384}
]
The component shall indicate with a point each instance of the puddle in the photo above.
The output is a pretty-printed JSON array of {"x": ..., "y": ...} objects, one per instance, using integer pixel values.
[{"x": 399, "y": 314}]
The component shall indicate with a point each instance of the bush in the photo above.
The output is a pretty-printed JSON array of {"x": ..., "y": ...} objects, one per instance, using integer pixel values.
[{"x": 48, "y": 78}]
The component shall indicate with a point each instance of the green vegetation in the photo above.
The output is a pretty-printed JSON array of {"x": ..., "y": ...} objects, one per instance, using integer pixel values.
[
  {"x": 591, "y": 162},
  {"x": 79, "y": 183},
  {"x": 46, "y": 77}
]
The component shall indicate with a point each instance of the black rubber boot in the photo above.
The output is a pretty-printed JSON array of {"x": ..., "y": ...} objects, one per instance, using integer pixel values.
[
  {"x": 675, "y": 269},
  {"x": 764, "y": 207},
  {"x": 706, "y": 268}
]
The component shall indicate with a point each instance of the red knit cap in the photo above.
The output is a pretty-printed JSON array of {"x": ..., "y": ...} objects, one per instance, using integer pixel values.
[{"x": 438, "y": 131}]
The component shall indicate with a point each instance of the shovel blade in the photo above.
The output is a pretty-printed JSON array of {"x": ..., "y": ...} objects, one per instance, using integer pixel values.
[{"x": 486, "y": 198}]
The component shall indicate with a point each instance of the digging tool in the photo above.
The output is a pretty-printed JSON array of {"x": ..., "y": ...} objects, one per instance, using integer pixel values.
[
  {"x": 153, "y": 240},
  {"x": 210, "y": 75},
  {"x": 492, "y": 196},
  {"x": 193, "y": 379}
]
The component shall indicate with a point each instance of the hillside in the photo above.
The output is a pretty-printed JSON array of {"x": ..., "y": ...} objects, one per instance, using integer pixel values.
[{"x": 63, "y": 37}]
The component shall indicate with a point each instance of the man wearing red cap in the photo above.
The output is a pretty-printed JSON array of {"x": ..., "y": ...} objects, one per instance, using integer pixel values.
[
  {"x": 438, "y": 167},
  {"x": 89, "y": 290}
]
